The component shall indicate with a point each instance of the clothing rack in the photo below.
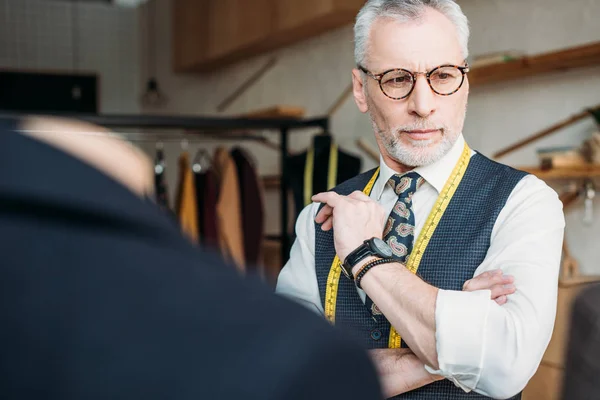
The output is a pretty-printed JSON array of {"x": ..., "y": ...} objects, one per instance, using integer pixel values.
[{"x": 212, "y": 126}]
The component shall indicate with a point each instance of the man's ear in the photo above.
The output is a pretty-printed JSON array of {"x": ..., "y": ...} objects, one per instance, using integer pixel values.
[{"x": 358, "y": 90}]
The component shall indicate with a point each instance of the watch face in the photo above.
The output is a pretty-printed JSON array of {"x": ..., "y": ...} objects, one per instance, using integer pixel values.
[{"x": 382, "y": 248}]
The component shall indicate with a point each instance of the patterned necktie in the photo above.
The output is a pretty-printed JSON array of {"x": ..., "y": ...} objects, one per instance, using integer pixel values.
[
  {"x": 400, "y": 227},
  {"x": 399, "y": 230}
]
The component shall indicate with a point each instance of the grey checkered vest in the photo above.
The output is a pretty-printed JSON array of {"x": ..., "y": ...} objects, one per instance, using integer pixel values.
[{"x": 457, "y": 247}]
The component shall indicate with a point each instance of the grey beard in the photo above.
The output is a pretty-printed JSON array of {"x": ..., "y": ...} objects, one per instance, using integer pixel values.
[{"x": 419, "y": 153}]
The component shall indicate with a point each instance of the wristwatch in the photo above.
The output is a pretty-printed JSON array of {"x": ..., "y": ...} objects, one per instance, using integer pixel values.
[{"x": 371, "y": 247}]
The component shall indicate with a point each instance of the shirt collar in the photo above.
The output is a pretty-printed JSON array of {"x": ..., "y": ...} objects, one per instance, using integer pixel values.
[{"x": 435, "y": 174}]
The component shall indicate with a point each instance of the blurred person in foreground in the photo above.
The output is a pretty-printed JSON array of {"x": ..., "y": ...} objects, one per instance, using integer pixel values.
[
  {"x": 386, "y": 254},
  {"x": 582, "y": 356},
  {"x": 103, "y": 298}
]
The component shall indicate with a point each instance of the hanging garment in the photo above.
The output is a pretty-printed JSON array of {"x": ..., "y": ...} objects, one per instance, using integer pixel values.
[
  {"x": 252, "y": 206},
  {"x": 206, "y": 196},
  {"x": 229, "y": 214},
  {"x": 160, "y": 182},
  {"x": 187, "y": 212},
  {"x": 319, "y": 169}
]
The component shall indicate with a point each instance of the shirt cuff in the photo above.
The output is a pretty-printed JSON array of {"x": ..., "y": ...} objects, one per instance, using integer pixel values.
[{"x": 461, "y": 319}]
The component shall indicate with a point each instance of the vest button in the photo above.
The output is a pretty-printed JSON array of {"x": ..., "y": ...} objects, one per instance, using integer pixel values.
[{"x": 375, "y": 334}]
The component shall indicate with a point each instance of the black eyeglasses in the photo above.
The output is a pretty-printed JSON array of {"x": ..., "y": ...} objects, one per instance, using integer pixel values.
[{"x": 399, "y": 83}]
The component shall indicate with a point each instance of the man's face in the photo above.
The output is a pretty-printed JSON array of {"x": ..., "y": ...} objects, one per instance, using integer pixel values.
[{"x": 420, "y": 129}]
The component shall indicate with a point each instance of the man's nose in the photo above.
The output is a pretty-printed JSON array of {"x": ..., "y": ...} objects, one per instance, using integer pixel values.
[{"x": 421, "y": 101}]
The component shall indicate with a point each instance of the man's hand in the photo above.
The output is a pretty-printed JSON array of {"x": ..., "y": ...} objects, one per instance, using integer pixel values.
[
  {"x": 355, "y": 218},
  {"x": 400, "y": 370},
  {"x": 501, "y": 285}
]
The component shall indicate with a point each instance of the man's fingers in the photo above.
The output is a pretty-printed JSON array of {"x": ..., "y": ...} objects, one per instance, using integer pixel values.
[
  {"x": 482, "y": 281},
  {"x": 328, "y": 224},
  {"x": 486, "y": 280},
  {"x": 501, "y": 300},
  {"x": 500, "y": 286},
  {"x": 329, "y": 198},
  {"x": 502, "y": 290},
  {"x": 323, "y": 214}
]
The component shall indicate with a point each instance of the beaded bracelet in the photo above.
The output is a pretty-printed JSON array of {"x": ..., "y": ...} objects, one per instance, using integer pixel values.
[{"x": 368, "y": 266}]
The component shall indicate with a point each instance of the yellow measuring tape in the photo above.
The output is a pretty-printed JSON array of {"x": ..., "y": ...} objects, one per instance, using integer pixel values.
[
  {"x": 416, "y": 255},
  {"x": 309, "y": 169},
  {"x": 333, "y": 278}
]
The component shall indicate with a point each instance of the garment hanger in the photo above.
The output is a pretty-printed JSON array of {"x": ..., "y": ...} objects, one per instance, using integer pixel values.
[
  {"x": 159, "y": 160},
  {"x": 202, "y": 161},
  {"x": 185, "y": 144}
]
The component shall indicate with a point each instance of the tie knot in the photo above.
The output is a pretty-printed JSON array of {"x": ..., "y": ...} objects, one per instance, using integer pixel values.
[{"x": 406, "y": 184}]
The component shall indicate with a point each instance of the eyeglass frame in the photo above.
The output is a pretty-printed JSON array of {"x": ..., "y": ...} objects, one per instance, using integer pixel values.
[{"x": 463, "y": 69}]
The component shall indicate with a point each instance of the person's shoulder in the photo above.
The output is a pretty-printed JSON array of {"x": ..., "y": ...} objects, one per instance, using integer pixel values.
[
  {"x": 532, "y": 199},
  {"x": 355, "y": 183},
  {"x": 529, "y": 194},
  {"x": 531, "y": 188},
  {"x": 496, "y": 167}
]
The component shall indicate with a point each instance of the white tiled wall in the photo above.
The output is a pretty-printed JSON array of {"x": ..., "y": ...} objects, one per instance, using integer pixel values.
[
  {"x": 38, "y": 35},
  {"x": 313, "y": 73}
]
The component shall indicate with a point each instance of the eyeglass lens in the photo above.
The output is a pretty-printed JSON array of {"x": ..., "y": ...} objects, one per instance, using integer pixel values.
[{"x": 443, "y": 80}]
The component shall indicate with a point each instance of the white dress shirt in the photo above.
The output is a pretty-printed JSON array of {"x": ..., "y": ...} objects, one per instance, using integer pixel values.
[{"x": 491, "y": 349}]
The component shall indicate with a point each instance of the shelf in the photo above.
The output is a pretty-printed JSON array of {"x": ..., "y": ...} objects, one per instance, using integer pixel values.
[
  {"x": 591, "y": 171},
  {"x": 278, "y": 111},
  {"x": 561, "y": 60},
  {"x": 578, "y": 280},
  {"x": 209, "y": 35},
  {"x": 183, "y": 122}
]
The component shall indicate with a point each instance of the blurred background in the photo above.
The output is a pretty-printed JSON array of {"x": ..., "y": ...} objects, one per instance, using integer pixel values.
[{"x": 270, "y": 79}]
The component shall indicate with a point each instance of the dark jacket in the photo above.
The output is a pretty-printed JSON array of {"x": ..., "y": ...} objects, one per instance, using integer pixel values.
[
  {"x": 582, "y": 366},
  {"x": 103, "y": 298}
]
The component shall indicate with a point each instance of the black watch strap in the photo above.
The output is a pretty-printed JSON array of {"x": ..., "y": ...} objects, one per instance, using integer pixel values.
[
  {"x": 359, "y": 254},
  {"x": 371, "y": 247}
]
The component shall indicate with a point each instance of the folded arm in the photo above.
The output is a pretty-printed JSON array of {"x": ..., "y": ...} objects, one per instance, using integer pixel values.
[
  {"x": 465, "y": 336},
  {"x": 401, "y": 371}
]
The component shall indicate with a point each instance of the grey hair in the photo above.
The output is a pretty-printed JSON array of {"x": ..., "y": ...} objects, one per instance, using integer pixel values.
[{"x": 405, "y": 10}]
